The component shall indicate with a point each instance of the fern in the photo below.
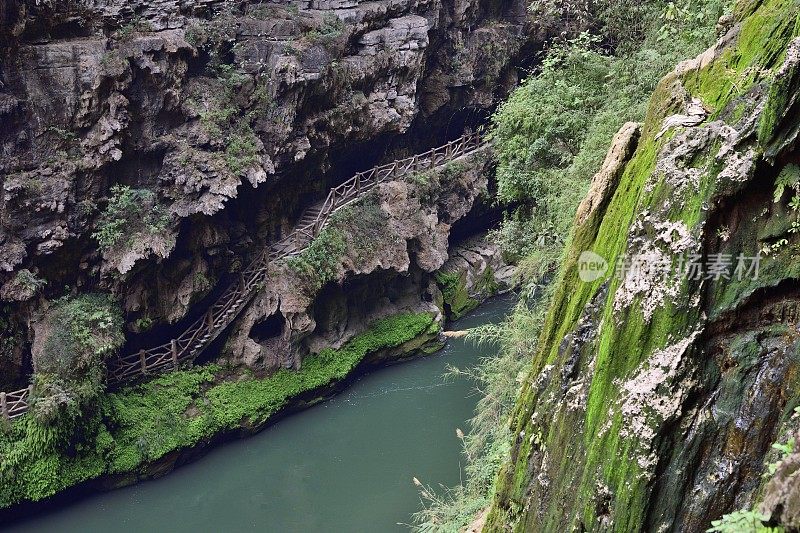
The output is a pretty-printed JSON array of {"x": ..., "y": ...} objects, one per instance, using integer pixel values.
[
  {"x": 743, "y": 521},
  {"x": 788, "y": 178}
]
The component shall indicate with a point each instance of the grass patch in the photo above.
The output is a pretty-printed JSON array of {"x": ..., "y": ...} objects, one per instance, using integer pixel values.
[{"x": 141, "y": 424}]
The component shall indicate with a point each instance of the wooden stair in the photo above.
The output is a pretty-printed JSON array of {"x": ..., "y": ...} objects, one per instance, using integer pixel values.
[{"x": 202, "y": 332}]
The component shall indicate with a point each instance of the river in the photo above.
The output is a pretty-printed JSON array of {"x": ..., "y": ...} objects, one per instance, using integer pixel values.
[{"x": 345, "y": 465}]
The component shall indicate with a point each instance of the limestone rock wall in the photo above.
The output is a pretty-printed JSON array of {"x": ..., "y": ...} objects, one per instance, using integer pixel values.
[
  {"x": 474, "y": 272},
  {"x": 393, "y": 242},
  {"x": 232, "y": 116},
  {"x": 657, "y": 391}
]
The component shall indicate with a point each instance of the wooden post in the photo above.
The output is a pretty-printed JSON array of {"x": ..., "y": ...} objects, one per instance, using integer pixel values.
[
  {"x": 143, "y": 361},
  {"x": 174, "y": 346},
  {"x": 4, "y": 406},
  {"x": 210, "y": 320}
]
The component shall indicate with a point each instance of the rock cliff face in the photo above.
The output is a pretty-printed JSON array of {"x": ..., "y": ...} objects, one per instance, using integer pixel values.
[
  {"x": 657, "y": 390},
  {"x": 391, "y": 243},
  {"x": 474, "y": 272},
  {"x": 182, "y": 135}
]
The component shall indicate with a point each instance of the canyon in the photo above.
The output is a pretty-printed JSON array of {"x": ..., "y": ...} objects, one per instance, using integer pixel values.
[
  {"x": 152, "y": 151},
  {"x": 218, "y": 213}
]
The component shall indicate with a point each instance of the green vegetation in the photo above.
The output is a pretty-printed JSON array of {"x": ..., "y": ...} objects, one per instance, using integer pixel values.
[
  {"x": 10, "y": 337},
  {"x": 129, "y": 212},
  {"x": 81, "y": 333},
  {"x": 454, "y": 291},
  {"x": 127, "y": 31},
  {"x": 241, "y": 152},
  {"x": 582, "y": 449},
  {"x": 487, "y": 444},
  {"x": 64, "y": 424},
  {"x": 213, "y": 36},
  {"x": 178, "y": 410},
  {"x": 743, "y": 522},
  {"x": 552, "y": 134},
  {"x": 363, "y": 226},
  {"x": 65, "y": 136},
  {"x": 29, "y": 281},
  {"x": 228, "y": 111},
  {"x": 427, "y": 185},
  {"x": 788, "y": 178},
  {"x": 328, "y": 32},
  {"x": 266, "y": 11},
  {"x": 551, "y": 137},
  {"x": 143, "y": 324},
  {"x": 319, "y": 263},
  {"x": 751, "y": 520}
]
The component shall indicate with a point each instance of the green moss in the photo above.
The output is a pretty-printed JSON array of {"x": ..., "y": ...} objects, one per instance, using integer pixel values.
[
  {"x": 142, "y": 424},
  {"x": 487, "y": 284},
  {"x": 759, "y": 49},
  {"x": 584, "y": 449},
  {"x": 457, "y": 300}
]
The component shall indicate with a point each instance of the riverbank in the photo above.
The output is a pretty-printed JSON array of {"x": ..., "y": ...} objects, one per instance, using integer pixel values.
[
  {"x": 304, "y": 472},
  {"x": 150, "y": 429}
]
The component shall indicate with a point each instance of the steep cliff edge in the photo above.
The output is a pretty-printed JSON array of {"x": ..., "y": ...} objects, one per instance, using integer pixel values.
[
  {"x": 150, "y": 148},
  {"x": 362, "y": 292},
  {"x": 659, "y": 386}
]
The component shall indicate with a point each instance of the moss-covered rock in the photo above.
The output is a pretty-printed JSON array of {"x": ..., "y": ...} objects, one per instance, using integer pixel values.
[
  {"x": 655, "y": 394},
  {"x": 457, "y": 301},
  {"x": 474, "y": 272}
]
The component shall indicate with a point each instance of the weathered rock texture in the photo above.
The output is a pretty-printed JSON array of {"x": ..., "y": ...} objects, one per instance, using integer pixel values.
[
  {"x": 234, "y": 115},
  {"x": 655, "y": 395},
  {"x": 781, "y": 503},
  {"x": 394, "y": 240},
  {"x": 474, "y": 272}
]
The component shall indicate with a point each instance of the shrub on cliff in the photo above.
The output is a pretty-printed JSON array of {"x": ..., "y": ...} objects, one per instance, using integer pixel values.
[
  {"x": 69, "y": 367},
  {"x": 551, "y": 135},
  {"x": 129, "y": 212},
  {"x": 319, "y": 263}
]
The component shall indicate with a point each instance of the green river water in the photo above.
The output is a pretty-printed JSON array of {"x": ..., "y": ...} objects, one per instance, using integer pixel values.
[{"x": 345, "y": 465}]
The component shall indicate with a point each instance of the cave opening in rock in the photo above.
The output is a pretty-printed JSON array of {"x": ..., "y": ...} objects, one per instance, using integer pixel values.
[
  {"x": 483, "y": 216},
  {"x": 343, "y": 310},
  {"x": 268, "y": 328}
]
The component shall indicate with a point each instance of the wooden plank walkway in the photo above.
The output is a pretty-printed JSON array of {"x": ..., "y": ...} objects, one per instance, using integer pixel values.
[{"x": 200, "y": 334}]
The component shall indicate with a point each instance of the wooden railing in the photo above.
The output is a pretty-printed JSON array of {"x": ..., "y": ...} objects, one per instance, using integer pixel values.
[
  {"x": 14, "y": 404},
  {"x": 203, "y": 331}
]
